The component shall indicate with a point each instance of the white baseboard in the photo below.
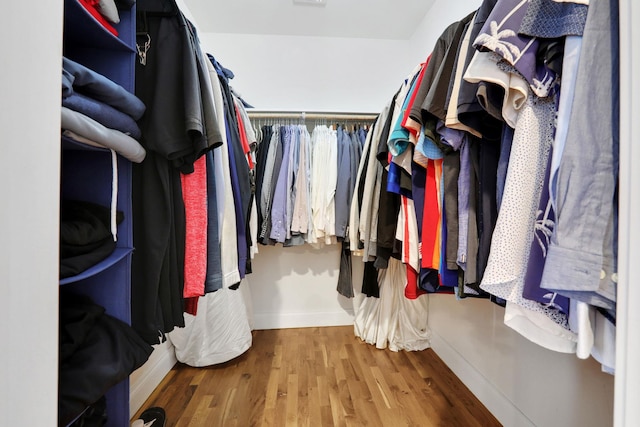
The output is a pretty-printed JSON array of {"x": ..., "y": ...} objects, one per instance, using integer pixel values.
[
  {"x": 496, "y": 402},
  {"x": 263, "y": 321},
  {"x": 145, "y": 379}
]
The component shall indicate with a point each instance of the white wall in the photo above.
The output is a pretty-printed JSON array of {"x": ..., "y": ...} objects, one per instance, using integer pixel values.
[
  {"x": 296, "y": 287},
  {"x": 30, "y": 151},
  {"x": 293, "y": 73},
  {"x": 521, "y": 383},
  {"x": 312, "y": 73}
]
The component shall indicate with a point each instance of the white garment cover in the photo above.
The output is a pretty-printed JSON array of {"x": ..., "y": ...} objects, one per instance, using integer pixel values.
[
  {"x": 392, "y": 320},
  {"x": 221, "y": 330}
]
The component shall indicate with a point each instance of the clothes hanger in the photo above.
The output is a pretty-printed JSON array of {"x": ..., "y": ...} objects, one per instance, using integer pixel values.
[{"x": 157, "y": 8}]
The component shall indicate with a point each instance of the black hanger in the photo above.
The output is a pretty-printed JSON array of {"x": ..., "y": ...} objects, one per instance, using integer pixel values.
[
  {"x": 142, "y": 27},
  {"x": 157, "y": 8},
  {"x": 153, "y": 8}
]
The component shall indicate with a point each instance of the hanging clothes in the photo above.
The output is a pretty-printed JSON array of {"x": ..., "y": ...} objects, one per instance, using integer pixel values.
[
  {"x": 514, "y": 233},
  {"x": 169, "y": 91},
  {"x": 193, "y": 199},
  {"x": 302, "y": 205},
  {"x": 582, "y": 254},
  {"x": 305, "y": 183},
  {"x": 488, "y": 176}
]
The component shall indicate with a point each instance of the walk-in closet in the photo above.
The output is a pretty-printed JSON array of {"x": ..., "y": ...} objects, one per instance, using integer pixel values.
[{"x": 320, "y": 213}]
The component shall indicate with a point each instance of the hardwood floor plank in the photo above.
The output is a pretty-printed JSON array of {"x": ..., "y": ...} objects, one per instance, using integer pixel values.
[
  {"x": 407, "y": 400},
  {"x": 202, "y": 411},
  {"x": 346, "y": 399},
  {"x": 198, "y": 377},
  {"x": 319, "y": 377},
  {"x": 304, "y": 418},
  {"x": 272, "y": 390},
  {"x": 292, "y": 400},
  {"x": 383, "y": 361},
  {"x": 326, "y": 416},
  {"x": 323, "y": 390},
  {"x": 281, "y": 399},
  {"x": 268, "y": 418},
  {"x": 337, "y": 412},
  {"x": 385, "y": 391},
  {"x": 276, "y": 362},
  {"x": 315, "y": 410},
  {"x": 367, "y": 414},
  {"x": 325, "y": 356}
]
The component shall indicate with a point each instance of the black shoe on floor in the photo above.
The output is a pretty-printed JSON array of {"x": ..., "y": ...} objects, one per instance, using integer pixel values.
[{"x": 154, "y": 417}]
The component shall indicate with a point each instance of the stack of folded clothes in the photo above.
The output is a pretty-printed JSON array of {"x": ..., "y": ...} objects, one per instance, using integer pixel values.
[
  {"x": 98, "y": 112},
  {"x": 85, "y": 236}
]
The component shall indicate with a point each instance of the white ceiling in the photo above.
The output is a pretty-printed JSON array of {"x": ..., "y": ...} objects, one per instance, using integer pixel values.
[{"x": 371, "y": 19}]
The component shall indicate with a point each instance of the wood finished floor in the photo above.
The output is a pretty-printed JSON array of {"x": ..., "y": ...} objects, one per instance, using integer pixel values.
[{"x": 319, "y": 377}]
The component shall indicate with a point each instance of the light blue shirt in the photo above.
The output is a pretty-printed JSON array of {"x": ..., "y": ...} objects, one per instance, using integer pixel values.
[{"x": 344, "y": 183}]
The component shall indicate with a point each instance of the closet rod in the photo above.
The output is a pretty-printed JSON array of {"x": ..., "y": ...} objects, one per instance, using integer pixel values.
[{"x": 311, "y": 116}]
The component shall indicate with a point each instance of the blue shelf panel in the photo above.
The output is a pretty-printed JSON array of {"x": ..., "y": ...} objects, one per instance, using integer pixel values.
[
  {"x": 117, "y": 394},
  {"x": 118, "y": 405},
  {"x": 71, "y": 144},
  {"x": 87, "y": 42},
  {"x": 110, "y": 288},
  {"x": 100, "y": 61},
  {"x": 82, "y": 29},
  {"x": 118, "y": 255},
  {"x": 87, "y": 175}
]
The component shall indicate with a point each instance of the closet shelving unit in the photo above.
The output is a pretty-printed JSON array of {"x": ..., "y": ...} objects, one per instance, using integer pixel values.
[{"x": 88, "y": 174}]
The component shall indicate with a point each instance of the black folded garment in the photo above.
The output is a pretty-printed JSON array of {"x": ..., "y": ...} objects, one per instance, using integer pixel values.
[
  {"x": 95, "y": 416},
  {"x": 105, "y": 351},
  {"x": 77, "y": 315},
  {"x": 85, "y": 235}
]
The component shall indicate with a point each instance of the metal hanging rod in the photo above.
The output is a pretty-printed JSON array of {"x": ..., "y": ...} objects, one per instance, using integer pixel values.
[{"x": 369, "y": 117}]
